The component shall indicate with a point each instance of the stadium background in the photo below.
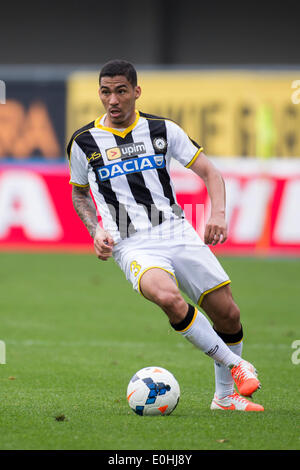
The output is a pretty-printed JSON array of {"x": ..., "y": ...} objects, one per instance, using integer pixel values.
[{"x": 233, "y": 91}]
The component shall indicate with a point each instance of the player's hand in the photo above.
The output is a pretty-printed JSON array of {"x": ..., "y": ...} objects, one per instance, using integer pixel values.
[
  {"x": 215, "y": 230},
  {"x": 103, "y": 244}
]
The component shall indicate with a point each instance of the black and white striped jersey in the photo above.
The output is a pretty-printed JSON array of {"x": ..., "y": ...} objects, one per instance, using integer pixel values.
[{"x": 128, "y": 171}]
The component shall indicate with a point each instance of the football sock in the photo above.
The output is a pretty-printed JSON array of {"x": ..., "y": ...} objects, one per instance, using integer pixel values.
[
  {"x": 196, "y": 328},
  {"x": 224, "y": 384}
]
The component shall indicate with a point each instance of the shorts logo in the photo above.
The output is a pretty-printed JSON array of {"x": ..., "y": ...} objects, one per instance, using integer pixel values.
[
  {"x": 126, "y": 150},
  {"x": 132, "y": 165},
  {"x": 160, "y": 144},
  {"x": 135, "y": 268}
]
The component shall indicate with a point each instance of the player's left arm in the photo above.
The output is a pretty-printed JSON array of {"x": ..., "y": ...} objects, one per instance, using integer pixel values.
[{"x": 216, "y": 227}]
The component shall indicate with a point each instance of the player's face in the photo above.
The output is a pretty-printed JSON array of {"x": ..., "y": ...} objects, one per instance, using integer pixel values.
[{"x": 118, "y": 97}]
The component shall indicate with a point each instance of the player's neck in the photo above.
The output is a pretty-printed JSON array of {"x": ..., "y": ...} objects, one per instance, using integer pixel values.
[{"x": 122, "y": 125}]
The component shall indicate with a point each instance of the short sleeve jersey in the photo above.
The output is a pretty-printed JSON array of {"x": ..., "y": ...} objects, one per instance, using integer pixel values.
[{"x": 128, "y": 171}]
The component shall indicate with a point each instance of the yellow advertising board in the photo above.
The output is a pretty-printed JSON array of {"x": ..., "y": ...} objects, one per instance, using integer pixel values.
[
  {"x": 32, "y": 120},
  {"x": 229, "y": 113}
]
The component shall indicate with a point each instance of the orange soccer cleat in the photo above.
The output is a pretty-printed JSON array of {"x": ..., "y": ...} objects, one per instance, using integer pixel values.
[
  {"x": 245, "y": 378},
  {"x": 234, "y": 402}
]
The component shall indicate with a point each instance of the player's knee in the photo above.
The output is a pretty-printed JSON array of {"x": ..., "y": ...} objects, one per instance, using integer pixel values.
[
  {"x": 172, "y": 303},
  {"x": 232, "y": 315}
]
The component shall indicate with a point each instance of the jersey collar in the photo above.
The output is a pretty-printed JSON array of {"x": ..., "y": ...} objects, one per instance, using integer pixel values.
[{"x": 116, "y": 131}]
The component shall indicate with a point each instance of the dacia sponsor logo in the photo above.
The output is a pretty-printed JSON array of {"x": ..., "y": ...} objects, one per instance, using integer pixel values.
[
  {"x": 132, "y": 165},
  {"x": 126, "y": 150}
]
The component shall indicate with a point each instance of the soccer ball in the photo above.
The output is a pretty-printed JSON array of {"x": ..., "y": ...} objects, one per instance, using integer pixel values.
[{"x": 153, "y": 391}]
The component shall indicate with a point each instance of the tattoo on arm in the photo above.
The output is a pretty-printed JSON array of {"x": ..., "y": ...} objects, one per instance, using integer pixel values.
[{"x": 85, "y": 208}]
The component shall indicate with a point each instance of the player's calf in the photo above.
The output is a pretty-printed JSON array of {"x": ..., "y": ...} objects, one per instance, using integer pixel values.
[
  {"x": 222, "y": 310},
  {"x": 173, "y": 305}
]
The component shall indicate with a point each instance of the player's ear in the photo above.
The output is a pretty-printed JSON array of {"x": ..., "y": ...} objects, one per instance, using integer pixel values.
[{"x": 138, "y": 92}]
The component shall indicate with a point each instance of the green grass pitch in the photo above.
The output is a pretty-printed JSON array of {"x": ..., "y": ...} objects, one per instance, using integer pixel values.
[{"x": 75, "y": 333}]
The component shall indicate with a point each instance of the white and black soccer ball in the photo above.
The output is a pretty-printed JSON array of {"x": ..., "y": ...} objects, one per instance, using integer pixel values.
[{"x": 153, "y": 391}]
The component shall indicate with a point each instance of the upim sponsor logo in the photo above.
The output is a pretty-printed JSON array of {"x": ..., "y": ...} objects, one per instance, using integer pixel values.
[{"x": 126, "y": 150}]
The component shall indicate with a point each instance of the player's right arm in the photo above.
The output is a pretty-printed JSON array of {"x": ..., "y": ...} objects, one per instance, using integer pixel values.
[
  {"x": 85, "y": 208},
  {"x": 83, "y": 202}
]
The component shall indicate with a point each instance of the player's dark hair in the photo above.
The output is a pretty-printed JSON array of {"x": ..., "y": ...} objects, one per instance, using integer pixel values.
[{"x": 119, "y": 67}]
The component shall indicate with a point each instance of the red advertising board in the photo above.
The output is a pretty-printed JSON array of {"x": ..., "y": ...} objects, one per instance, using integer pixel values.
[
  {"x": 36, "y": 209},
  {"x": 262, "y": 205},
  {"x": 263, "y": 214}
]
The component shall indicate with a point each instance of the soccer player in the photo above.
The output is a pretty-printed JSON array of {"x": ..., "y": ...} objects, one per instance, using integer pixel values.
[{"x": 123, "y": 158}]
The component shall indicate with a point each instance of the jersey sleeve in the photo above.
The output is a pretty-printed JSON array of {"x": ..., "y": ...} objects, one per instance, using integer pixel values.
[
  {"x": 78, "y": 166},
  {"x": 182, "y": 148}
]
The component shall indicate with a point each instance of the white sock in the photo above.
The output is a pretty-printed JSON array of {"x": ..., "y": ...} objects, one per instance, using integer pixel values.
[
  {"x": 198, "y": 330},
  {"x": 224, "y": 384}
]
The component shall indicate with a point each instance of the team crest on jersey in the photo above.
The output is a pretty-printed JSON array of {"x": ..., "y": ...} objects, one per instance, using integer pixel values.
[
  {"x": 131, "y": 165},
  {"x": 126, "y": 150},
  {"x": 160, "y": 144}
]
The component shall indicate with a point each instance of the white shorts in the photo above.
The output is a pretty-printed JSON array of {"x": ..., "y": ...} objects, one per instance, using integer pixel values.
[{"x": 181, "y": 253}]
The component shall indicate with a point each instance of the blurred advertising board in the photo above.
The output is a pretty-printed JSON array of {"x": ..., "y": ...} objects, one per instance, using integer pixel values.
[
  {"x": 36, "y": 211},
  {"x": 262, "y": 205},
  {"x": 230, "y": 113},
  {"x": 32, "y": 120}
]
